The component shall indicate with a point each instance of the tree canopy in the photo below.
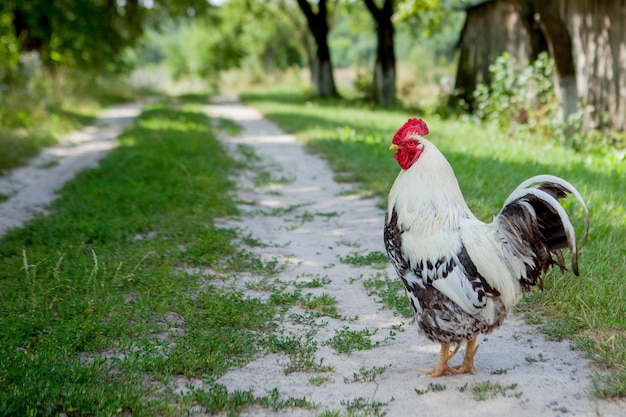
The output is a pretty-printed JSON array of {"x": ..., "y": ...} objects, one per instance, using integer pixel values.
[{"x": 86, "y": 34}]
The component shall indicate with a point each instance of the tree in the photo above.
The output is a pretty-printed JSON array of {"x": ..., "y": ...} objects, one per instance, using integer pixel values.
[
  {"x": 303, "y": 34},
  {"x": 560, "y": 47},
  {"x": 322, "y": 70},
  {"x": 88, "y": 34},
  {"x": 385, "y": 66}
]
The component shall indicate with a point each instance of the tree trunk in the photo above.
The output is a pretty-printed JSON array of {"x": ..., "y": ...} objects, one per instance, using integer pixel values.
[
  {"x": 560, "y": 46},
  {"x": 385, "y": 67},
  {"x": 305, "y": 36},
  {"x": 322, "y": 69},
  {"x": 536, "y": 40}
]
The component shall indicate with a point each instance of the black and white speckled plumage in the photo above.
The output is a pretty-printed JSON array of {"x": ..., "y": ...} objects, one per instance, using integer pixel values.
[{"x": 440, "y": 318}]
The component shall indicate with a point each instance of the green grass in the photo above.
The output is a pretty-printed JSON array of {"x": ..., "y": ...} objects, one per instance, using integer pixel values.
[
  {"x": 486, "y": 389},
  {"x": 590, "y": 310},
  {"x": 367, "y": 374},
  {"x": 376, "y": 259},
  {"x": 348, "y": 341},
  {"x": 98, "y": 315},
  {"x": 431, "y": 388}
]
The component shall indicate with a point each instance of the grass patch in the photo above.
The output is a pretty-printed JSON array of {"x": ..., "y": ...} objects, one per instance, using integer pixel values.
[
  {"x": 218, "y": 399},
  {"x": 375, "y": 259},
  {"x": 354, "y": 139},
  {"x": 390, "y": 292},
  {"x": 367, "y": 374},
  {"x": 431, "y": 388},
  {"x": 97, "y": 311},
  {"x": 301, "y": 352},
  {"x": 485, "y": 390},
  {"x": 348, "y": 341}
]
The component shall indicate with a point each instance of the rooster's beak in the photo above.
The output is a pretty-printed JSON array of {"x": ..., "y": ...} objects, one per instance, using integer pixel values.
[{"x": 394, "y": 147}]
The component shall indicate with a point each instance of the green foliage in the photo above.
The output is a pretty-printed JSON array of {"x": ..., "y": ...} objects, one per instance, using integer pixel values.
[
  {"x": 521, "y": 98},
  {"x": 374, "y": 259},
  {"x": 254, "y": 36},
  {"x": 522, "y": 101},
  {"x": 348, "y": 341},
  {"x": 431, "y": 388},
  {"x": 217, "y": 399},
  {"x": 390, "y": 293},
  {"x": 486, "y": 389},
  {"x": 90, "y": 35},
  {"x": 37, "y": 107},
  {"x": 301, "y": 351},
  {"x": 363, "y": 407},
  {"x": 367, "y": 374},
  {"x": 9, "y": 47}
]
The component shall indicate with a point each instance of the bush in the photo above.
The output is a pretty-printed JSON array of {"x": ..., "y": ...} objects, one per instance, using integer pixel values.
[
  {"x": 520, "y": 95},
  {"x": 522, "y": 101}
]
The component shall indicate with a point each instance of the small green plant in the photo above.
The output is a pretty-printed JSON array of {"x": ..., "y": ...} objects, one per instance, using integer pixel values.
[
  {"x": 301, "y": 352},
  {"x": 217, "y": 399},
  {"x": 324, "y": 304},
  {"x": 315, "y": 282},
  {"x": 365, "y": 407},
  {"x": 367, "y": 374},
  {"x": 348, "y": 341},
  {"x": 559, "y": 329},
  {"x": 390, "y": 292},
  {"x": 318, "y": 380},
  {"x": 431, "y": 388},
  {"x": 484, "y": 390},
  {"x": 374, "y": 259}
]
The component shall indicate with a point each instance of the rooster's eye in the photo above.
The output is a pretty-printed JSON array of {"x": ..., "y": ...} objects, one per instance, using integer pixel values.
[{"x": 412, "y": 142}]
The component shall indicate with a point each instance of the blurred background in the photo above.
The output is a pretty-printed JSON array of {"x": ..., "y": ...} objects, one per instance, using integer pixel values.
[{"x": 553, "y": 69}]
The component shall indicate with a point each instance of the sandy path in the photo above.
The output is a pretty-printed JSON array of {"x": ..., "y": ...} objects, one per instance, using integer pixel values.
[
  {"x": 32, "y": 187},
  {"x": 551, "y": 379}
]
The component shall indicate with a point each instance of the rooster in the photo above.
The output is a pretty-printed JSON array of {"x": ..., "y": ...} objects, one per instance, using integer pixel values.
[{"x": 463, "y": 276}]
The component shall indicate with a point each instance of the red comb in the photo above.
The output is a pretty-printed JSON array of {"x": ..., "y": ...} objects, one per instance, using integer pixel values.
[{"x": 412, "y": 126}]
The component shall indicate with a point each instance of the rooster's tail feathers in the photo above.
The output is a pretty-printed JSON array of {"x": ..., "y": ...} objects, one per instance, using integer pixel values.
[{"x": 534, "y": 214}]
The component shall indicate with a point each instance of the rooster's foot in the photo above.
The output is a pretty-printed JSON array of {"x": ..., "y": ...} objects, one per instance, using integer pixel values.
[
  {"x": 467, "y": 366},
  {"x": 442, "y": 367}
]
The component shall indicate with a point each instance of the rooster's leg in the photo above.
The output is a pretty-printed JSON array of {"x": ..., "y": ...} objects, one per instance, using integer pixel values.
[
  {"x": 467, "y": 367},
  {"x": 441, "y": 368}
]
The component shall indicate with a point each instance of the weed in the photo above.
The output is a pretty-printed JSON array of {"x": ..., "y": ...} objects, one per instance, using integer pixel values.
[
  {"x": 364, "y": 407},
  {"x": 390, "y": 292},
  {"x": 315, "y": 282},
  {"x": 325, "y": 304},
  {"x": 487, "y": 389},
  {"x": 431, "y": 388},
  {"x": 374, "y": 259},
  {"x": 309, "y": 318},
  {"x": 348, "y": 341},
  {"x": 301, "y": 352},
  {"x": 318, "y": 380},
  {"x": 218, "y": 399},
  {"x": 367, "y": 374}
]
